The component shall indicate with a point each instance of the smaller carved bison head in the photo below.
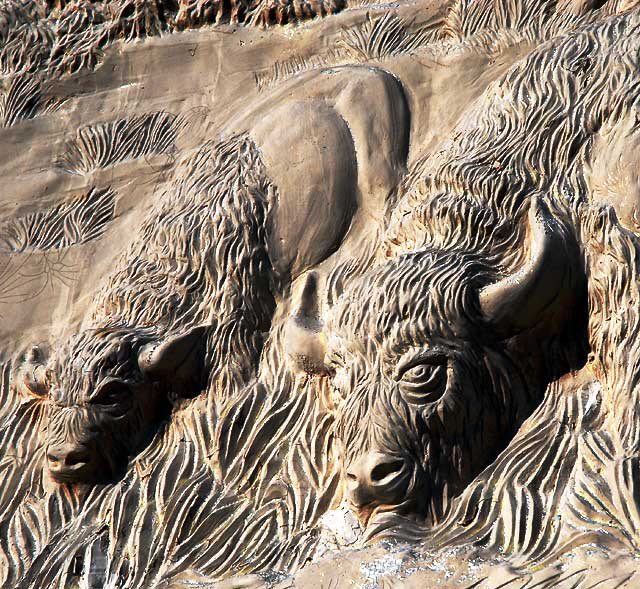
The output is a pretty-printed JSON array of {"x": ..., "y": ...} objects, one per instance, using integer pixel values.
[
  {"x": 106, "y": 390},
  {"x": 428, "y": 382}
]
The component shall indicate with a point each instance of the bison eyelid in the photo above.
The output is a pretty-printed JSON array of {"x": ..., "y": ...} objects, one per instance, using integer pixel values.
[{"x": 432, "y": 357}]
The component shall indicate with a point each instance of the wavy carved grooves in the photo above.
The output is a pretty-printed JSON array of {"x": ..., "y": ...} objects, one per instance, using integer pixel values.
[
  {"x": 570, "y": 476},
  {"x": 513, "y": 506},
  {"x": 21, "y": 98},
  {"x": 171, "y": 511},
  {"x": 100, "y": 146},
  {"x": 66, "y": 36},
  {"x": 237, "y": 479},
  {"x": 377, "y": 38},
  {"x": 42, "y": 40},
  {"x": 383, "y": 37},
  {"x": 77, "y": 221},
  {"x": 36, "y": 49},
  {"x": 223, "y": 488},
  {"x": 541, "y": 18}
]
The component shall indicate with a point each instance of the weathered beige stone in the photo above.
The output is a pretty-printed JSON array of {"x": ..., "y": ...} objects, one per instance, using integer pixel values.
[{"x": 315, "y": 295}]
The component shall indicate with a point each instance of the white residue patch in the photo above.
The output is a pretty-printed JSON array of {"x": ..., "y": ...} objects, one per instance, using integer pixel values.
[
  {"x": 340, "y": 529},
  {"x": 382, "y": 567}
]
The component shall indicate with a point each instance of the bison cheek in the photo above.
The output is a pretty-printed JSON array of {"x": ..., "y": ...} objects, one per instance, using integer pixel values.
[{"x": 130, "y": 430}]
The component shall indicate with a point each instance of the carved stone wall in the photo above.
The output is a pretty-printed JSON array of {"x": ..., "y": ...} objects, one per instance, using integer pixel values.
[{"x": 319, "y": 295}]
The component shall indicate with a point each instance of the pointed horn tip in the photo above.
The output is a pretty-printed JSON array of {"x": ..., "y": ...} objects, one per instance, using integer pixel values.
[
  {"x": 34, "y": 354},
  {"x": 311, "y": 281},
  {"x": 310, "y": 288},
  {"x": 308, "y": 308},
  {"x": 304, "y": 340}
]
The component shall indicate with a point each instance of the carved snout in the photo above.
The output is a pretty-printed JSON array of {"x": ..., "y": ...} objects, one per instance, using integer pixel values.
[
  {"x": 376, "y": 479},
  {"x": 70, "y": 462}
]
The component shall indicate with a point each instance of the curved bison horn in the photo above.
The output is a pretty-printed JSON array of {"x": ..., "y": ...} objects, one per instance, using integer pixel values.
[
  {"x": 304, "y": 340},
  {"x": 517, "y": 302},
  {"x": 177, "y": 358}
]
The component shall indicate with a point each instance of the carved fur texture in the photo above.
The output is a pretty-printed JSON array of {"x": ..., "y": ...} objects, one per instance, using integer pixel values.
[{"x": 437, "y": 422}]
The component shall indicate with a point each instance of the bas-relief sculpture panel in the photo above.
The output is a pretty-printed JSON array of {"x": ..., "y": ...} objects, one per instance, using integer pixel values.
[{"x": 319, "y": 296}]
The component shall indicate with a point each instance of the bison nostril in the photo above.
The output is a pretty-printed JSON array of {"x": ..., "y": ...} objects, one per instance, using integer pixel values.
[{"x": 383, "y": 470}]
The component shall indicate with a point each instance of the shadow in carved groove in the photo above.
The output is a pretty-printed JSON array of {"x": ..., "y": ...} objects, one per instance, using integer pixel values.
[
  {"x": 171, "y": 507},
  {"x": 377, "y": 38},
  {"x": 384, "y": 37}
]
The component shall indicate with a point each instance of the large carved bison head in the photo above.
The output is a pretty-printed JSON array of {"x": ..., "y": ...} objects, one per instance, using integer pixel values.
[
  {"x": 106, "y": 391},
  {"x": 428, "y": 385}
]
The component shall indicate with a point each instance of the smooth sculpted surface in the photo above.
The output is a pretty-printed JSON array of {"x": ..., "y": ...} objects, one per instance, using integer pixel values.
[{"x": 319, "y": 294}]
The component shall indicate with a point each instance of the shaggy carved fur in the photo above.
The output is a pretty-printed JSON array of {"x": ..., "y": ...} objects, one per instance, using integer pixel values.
[{"x": 200, "y": 258}]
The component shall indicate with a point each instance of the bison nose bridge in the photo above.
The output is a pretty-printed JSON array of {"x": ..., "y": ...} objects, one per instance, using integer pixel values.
[
  {"x": 375, "y": 477},
  {"x": 66, "y": 440}
]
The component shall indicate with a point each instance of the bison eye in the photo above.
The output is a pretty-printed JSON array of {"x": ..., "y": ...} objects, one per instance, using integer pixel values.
[
  {"x": 113, "y": 393},
  {"x": 423, "y": 380}
]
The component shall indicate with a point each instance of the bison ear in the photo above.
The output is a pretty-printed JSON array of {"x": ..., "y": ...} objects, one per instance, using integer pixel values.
[
  {"x": 178, "y": 359},
  {"x": 304, "y": 340},
  {"x": 542, "y": 287},
  {"x": 32, "y": 376}
]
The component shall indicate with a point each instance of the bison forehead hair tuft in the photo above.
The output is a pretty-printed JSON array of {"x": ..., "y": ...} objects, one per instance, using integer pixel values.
[
  {"x": 425, "y": 292},
  {"x": 77, "y": 366}
]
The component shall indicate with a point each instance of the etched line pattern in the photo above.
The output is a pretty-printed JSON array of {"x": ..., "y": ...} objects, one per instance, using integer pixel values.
[
  {"x": 377, "y": 38},
  {"x": 35, "y": 50},
  {"x": 103, "y": 145},
  {"x": 25, "y": 279},
  {"x": 174, "y": 511},
  {"x": 21, "y": 98},
  {"x": 384, "y": 37},
  {"x": 134, "y": 19},
  {"x": 283, "y": 69},
  {"x": 41, "y": 42},
  {"x": 62, "y": 42},
  {"x": 266, "y": 12},
  {"x": 238, "y": 492},
  {"x": 78, "y": 221}
]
